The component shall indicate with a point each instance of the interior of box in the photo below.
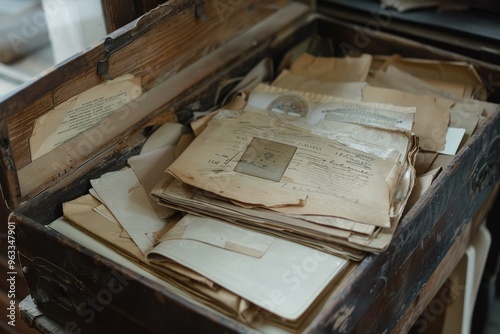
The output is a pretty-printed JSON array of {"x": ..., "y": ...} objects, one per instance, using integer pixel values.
[
  {"x": 68, "y": 171},
  {"x": 199, "y": 96}
]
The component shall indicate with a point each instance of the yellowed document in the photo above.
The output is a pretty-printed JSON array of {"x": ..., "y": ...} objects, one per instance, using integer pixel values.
[
  {"x": 348, "y": 69},
  {"x": 347, "y": 90},
  {"x": 158, "y": 152},
  {"x": 328, "y": 234},
  {"x": 458, "y": 78},
  {"x": 81, "y": 212},
  {"x": 287, "y": 169},
  {"x": 431, "y": 118},
  {"x": 373, "y": 128},
  {"x": 81, "y": 112},
  {"x": 394, "y": 78},
  {"x": 376, "y": 129}
]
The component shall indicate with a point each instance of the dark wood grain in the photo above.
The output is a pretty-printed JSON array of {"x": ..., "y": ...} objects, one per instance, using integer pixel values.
[{"x": 143, "y": 6}]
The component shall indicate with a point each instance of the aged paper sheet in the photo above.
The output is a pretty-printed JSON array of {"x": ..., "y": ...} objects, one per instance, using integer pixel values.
[
  {"x": 161, "y": 148},
  {"x": 254, "y": 278},
  {"x": 329, "y": 234},
  {"x": 347, "y": 90},
  {"x": 423, "y": 161},
  {"x": 81, "y": 112},
  {"x": 125, "y": 197},
  {"x": 431, "y": 118},
  {"x": 286, "y": 169},
  {"x": 348, "y": 69},
  {"x": 458, "y": 78},
  {"x": 373, "y": 128}
]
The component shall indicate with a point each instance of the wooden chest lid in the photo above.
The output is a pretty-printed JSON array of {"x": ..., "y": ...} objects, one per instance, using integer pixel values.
[{"x": 156, "y": 48}]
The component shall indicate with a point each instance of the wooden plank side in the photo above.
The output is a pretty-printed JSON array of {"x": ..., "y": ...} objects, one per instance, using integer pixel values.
[
  {"x": 164, "y": 51},
  {"x": 142, "y": 6},
  {"x": 9, "y": 182},
  {"x": 379, "y": 291},
  {"x": 443, "y": 270}
]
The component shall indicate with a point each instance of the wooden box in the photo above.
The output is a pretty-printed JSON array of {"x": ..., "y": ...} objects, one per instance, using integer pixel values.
[{"x": 182, "y": 51}]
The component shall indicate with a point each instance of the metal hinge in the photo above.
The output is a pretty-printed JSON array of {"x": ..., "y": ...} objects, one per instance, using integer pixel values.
[
  {"x": 110, "y": 46},
  {"x": 143, "y": 24}
]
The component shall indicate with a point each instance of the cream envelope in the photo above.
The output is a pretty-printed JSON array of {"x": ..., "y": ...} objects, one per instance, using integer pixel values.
[
  {"x": 149, "y": 167},
  {"x": 285, "y": 280},
  {"x": 82, "y": 214}
]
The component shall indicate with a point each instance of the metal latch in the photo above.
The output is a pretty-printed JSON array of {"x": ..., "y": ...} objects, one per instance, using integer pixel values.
[
  {"x": 142, "y": 25},
  {"x": 110, "y": 46}
]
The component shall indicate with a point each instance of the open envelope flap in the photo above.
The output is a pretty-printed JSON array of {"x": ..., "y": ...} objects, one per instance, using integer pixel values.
[
  {"x": 285, "y": 280},
  {"x": 125, "y": 197},
  {"x": 81, "y": 213},
  {"x": 221, "y": 235}
]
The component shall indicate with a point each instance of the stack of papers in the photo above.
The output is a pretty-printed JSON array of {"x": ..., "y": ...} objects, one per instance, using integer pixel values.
[
  {"x": 334, "y": 176},
  {"x": 240, "y": 273},
  {"x": 261, "y": 214}
]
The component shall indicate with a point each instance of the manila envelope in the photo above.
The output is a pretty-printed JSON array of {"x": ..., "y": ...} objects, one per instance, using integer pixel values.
[{"x": 347, "y": 69}]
